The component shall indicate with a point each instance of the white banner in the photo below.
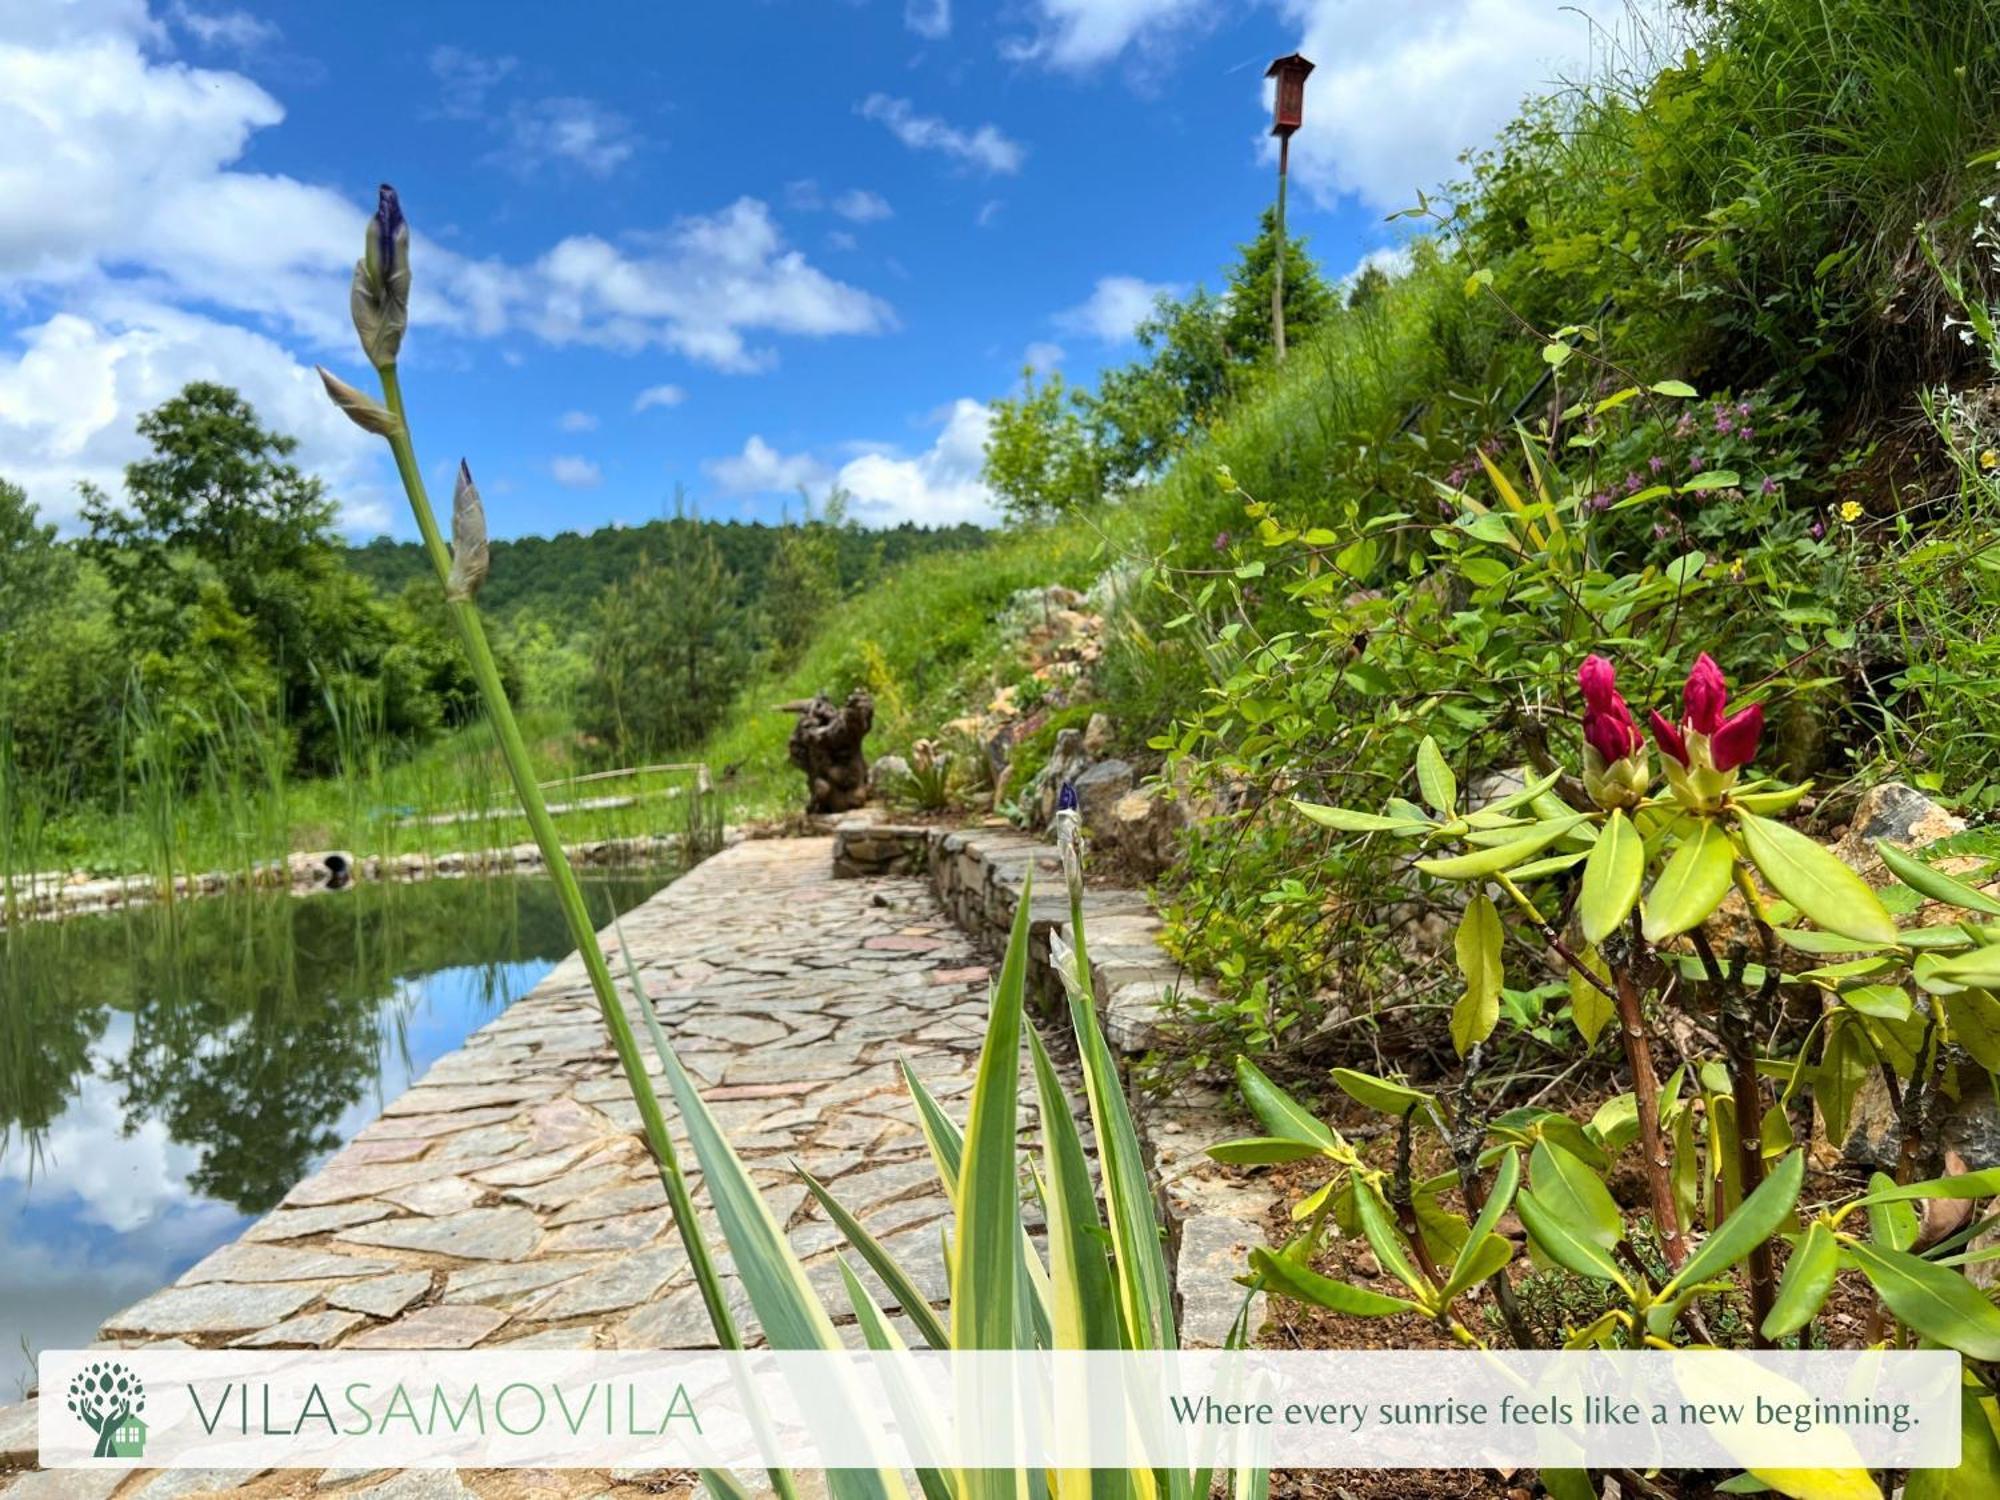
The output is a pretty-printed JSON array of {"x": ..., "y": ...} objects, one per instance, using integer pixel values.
[{"x": 179, "y": 1408}]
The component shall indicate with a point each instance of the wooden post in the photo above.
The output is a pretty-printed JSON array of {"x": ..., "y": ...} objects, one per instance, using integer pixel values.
[{"x": 1278, "y": 265}]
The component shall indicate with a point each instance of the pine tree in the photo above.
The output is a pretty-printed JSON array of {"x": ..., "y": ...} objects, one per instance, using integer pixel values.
[{"x": 1308, "y": 298}]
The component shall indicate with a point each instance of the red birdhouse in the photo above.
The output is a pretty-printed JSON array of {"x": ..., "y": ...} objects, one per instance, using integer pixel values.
[{"x": 1289, "y": 105}]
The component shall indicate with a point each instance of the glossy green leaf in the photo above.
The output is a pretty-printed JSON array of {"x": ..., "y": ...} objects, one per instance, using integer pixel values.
[
  {"x": 1892, "y": 1221},
  {"x": 1939, "y": 1304},
  {"x": 1939, "y": 886},
  {"x": 1348, "y": 821},
  {"x": 1974, "y": 1018},
  {"x": 1381, "y": 1094},
  {"x": 1984, "y": 1183},
  {"x": 1385, "y": 1239},
  {"x": 1281, "y": 1275},
  {"x": 1568, "y": 1248},
  {"x": 899, "y": 1282},
  {"x": 1570, "y": 1190},
  {"x": 1281, "y": 1114},
  {"x": 1807, "y": 1280},
  {"x": 1814, "y": 880},
  {"x": 1478, "y": 950},
  {"x": 1755, "y": 1220},
  {"x": 1692, "y": 885},
  {"x": 1434, "y": 778},
  {"x": 1589, "y": 1007},
  {"x": 1978, "y": 1471},
  {"x": 1490, "y": 861},
  {"x": 1611, "y": 878},
  {"x": 1261, "y": 1151}
]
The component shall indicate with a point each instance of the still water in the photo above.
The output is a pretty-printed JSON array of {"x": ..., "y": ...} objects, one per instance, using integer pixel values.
[{"x": 166, "y": 1074}]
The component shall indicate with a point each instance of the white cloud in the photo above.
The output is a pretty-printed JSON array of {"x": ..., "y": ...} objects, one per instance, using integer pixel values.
[
  {"x": 929, "y": 19},
  {"x": 234, "y": 29},
  {"x": 841, "y": 240},
  {"x": 574, "y": 473},
  {"x": 1115, "y": 307},
  {"x": 938, "y": 487},
  {"x": 985, "y": 148},
  {"x": 989, "y": 213},
  {"x": 1042, "y": 357},
  {"x": 862, "y": 206},
  {"x": 659, "y": 395},
  {"x": 804, "y": 196},
  {"x": 468, "y": 78},
  {"x": 70, "y": 388},
  {"x": 577, "y": 421},
  {"x": 1392, "y": 261},
  {"x": 580, "y": 132},
  {"x": 1401, "y": 91},
  {"x": 697, "y": 288},
  {"x": 761, "y": 469},
  {"x": 1075, "y": 35}
]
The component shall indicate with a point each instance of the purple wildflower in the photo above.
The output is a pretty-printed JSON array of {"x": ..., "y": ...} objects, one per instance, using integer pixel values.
[
  {"x": 1817, "y": 530},
  {"x": 1222, "y": 541},
  {"x": 1768, "y": 487},
  {"x": 1633, "y": 483},
  {"x": 1656, "y": 463},
  {"x": 1694, "y": 463}
]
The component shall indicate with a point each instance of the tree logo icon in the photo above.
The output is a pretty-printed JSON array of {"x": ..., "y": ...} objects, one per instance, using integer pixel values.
[{"x": 107, "y": 1398}]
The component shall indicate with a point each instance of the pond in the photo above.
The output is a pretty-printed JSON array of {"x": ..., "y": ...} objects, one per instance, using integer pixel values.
[{"x": 167, "y": 1074}]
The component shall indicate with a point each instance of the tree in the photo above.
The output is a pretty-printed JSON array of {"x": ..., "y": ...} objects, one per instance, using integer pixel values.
[
  {"x": 804, "y": 576},
  {"x": 669, "y": 648},
  {"x": 1143, "y": 412},
  {"x": 32, "y": 565},
  {"x": 1040, "y": 458},
  {"x": 1308, "y": 298}
]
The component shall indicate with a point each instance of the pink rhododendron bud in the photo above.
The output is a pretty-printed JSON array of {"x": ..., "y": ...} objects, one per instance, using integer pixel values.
[
  {"x": 1599, "y": 681},
  {"x": 1669, "y": 738},
  {"x": 1706, "y": 694},
  {"x": 1734, "y": 743},
  {"x": 1616, "y": 768}
]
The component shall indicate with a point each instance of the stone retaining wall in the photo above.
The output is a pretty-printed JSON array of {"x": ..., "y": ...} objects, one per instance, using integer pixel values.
[{"x": 979, "y": 874}]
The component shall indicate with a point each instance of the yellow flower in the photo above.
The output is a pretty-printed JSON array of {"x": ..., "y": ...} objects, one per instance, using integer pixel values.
[
  {"x": 1851, "y": 512},
  {"x": 1989, "y": 460}
]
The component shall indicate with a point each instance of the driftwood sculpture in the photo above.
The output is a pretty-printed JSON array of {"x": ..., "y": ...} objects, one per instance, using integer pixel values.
[{"x": 826, "y": 745}]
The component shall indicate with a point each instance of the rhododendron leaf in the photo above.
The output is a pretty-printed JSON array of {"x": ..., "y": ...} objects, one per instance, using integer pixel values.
[{"x": 1815, "y": 881}]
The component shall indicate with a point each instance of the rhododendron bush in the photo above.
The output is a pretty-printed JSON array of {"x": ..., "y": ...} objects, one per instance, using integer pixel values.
[{"x": 1751, "y": 981}]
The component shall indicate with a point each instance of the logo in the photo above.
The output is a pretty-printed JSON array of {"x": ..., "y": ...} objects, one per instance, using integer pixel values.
[{"x": 108, "y": 1398}]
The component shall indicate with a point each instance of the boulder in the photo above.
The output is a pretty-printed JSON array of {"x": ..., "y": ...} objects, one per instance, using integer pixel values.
[
  {"x": 1899, "y": 813},
  {"x": 887, "y": 772},
  {"x": 1097, "y": 736},
  {"x": 1098, "y": 790}
]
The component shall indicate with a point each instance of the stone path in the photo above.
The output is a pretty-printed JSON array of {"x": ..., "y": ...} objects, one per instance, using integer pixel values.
[{"x": 507, "y": 1198}]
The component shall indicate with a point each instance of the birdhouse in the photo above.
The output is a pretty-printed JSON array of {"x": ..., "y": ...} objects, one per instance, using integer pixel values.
[{"x": 1288, "y": 107}]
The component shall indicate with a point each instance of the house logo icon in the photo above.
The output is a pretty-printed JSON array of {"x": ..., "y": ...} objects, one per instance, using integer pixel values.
[{"x": 108, "y": 1399}]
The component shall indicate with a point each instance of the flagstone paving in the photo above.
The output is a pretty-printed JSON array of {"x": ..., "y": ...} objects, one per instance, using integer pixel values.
[{"x": 507, "y": 1197}]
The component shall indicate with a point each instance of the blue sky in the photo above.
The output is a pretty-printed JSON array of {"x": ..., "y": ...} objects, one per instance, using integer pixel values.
[{"x": 735, "y": 246}]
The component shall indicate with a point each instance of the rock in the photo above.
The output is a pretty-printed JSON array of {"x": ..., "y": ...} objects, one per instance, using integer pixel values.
[
  {"x": 312, "y": 1331},
  {"x": 416, "y": 1484},
  {"x": 1971, "y": 1124},
  {"x": 1066, "y": 763},
  {"x": 1098, "y": 790},
  {"x": 477, "y": 1234},
  {"x": 1899, "y": 813},
  {"x": 1213, "y": 1252},
  {"x": 215, "y": 1307},
  {"x": 1097, "y": 736},
  {"x": 1145, "y": 830},
  {"x": 18, "y": 1439},
  {"x": 887, "y": 773},
  {"x": 454, "y": 1327},
  {"x": 383, "y": 1296},
  {"x": 1491, "y": 786},
  {"x": 67, "y": 1484}
]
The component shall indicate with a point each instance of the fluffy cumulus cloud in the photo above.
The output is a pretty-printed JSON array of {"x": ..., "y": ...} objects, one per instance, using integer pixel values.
[
  {"x": 702, "y": 288},
  {"x": 985, "y": 148},
  {"x": 137, "y": 252},
  {"x": 862, "y": 206},
  {"x": 761, "y": 469},
  {"x": 1401, "y": 91},
  {"x": 937, "y": 486},
  {"x": 1116, "y": 306},
  {"x": 71, "y": 386},
  {"x": 574, "y": 473},
  {"x": 577, "y": 421},
  {"x": 658, "y": 395},
  {"x": 1076, "y": 35}
]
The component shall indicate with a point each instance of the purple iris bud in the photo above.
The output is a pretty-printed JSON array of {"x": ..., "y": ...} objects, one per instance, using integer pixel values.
[
  {"x": 1066, "y": 798},
  {"x": 388, "y": 219}
]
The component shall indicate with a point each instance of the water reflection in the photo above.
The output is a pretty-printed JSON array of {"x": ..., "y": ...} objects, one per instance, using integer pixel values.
[{"x": 166, "y": 1075}]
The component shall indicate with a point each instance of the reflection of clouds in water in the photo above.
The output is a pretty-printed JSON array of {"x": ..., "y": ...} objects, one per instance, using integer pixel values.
[
  {"x": 98, "y": 1213},
  {"x": 127, "y": 1174}
]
